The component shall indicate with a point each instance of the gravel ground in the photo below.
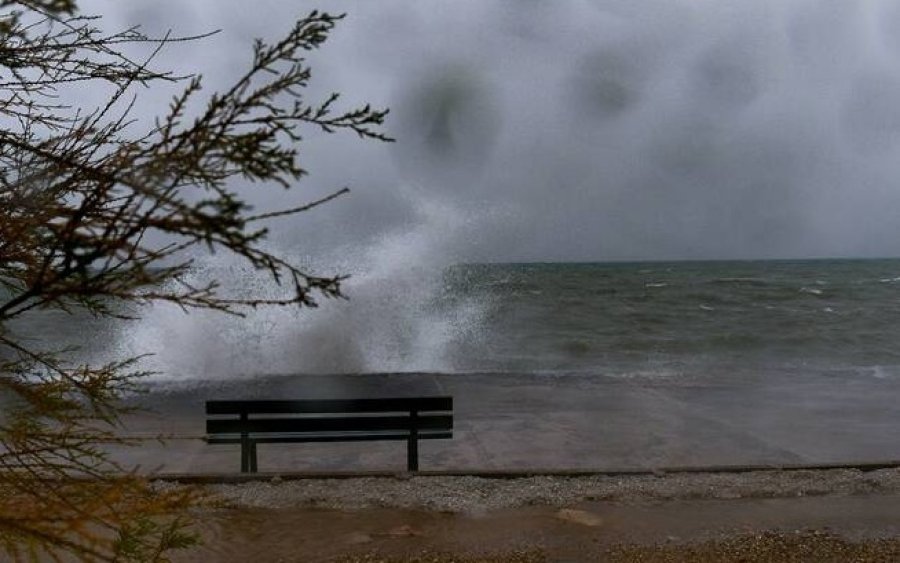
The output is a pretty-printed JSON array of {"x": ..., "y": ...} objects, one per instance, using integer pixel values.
[
  {"x": 477, "y": 495},
  {"x": 797, "y": 547},
  {"x": 439, "y": 519},
  {"x": 770, "y": 547}
]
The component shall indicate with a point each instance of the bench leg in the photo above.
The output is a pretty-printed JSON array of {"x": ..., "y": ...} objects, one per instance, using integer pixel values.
[
  {"x": 246, "y": 446},
  {"x": 412, "y": 455},
  {"x": 412, "y": 445},
  {"x": 252, "y": 457}
]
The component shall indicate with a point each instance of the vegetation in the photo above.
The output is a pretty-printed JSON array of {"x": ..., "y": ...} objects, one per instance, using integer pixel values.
[{"x": 98, "y": 211}]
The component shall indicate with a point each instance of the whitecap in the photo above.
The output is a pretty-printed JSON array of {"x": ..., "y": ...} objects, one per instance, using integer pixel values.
[
  {"x": 882, "y": 371},
  {"x": 649, "y": 373}
]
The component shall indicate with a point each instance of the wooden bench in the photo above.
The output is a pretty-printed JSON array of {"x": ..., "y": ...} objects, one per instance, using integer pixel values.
[{"x": 249, "y": 423}]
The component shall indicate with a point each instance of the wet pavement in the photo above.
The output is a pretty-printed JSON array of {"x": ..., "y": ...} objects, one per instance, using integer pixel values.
[{"x": 510, "y": 422}]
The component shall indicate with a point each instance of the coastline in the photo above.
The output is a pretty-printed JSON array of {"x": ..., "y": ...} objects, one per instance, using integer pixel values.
[{"x": 474, "y": 495}]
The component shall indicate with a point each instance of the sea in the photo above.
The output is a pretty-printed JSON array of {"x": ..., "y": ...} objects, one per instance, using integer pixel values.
[
  {"x": 680, "y": 318},
  {"x": 774, "y": 319}
]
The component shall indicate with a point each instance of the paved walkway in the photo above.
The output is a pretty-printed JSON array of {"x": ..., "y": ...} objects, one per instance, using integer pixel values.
[{"x": 509, "y": 422}]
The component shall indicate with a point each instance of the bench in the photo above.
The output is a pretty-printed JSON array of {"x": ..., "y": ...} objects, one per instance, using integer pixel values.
[{"x": 249, "y": 423}]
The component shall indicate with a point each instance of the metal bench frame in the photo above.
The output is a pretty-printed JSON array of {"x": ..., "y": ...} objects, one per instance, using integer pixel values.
[{"x": 249, "y": 423}]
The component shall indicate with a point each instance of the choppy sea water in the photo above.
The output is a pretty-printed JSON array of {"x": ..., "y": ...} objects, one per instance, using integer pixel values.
[
  {"x": 670, "y": 319},
  {"x": 651, "y": 320}
]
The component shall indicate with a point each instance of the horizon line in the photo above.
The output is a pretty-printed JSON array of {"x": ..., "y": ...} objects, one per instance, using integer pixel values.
[{"x": 679, "y": 260}]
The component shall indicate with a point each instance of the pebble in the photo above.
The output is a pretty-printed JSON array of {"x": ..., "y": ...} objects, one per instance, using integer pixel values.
[
  {"x": 579, "y": 517},
  {"x": 477, "y": 494}
]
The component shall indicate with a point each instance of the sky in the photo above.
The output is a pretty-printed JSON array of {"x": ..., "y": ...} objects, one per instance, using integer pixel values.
[{"x": 588, "y": 130}]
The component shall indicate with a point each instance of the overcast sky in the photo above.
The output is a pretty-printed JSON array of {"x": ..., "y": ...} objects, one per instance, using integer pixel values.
[{"x": 587, "y": 130}]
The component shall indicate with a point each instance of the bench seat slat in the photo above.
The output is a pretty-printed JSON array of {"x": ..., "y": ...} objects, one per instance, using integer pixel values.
[
  {"x": 402, "y": 404},
  {"x": 331, "y": 424},
  {"x": 278, "y": 439}
]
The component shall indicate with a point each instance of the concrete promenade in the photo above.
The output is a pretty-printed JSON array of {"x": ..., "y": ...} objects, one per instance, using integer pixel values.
[{"x": 512, "y": 422}]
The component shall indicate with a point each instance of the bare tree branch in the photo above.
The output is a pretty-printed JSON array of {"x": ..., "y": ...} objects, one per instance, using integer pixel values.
[{"x": 97, "y": 218}]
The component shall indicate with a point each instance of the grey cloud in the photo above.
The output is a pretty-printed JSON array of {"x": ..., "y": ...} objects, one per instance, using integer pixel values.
[
  {"x": 447, "y": 120},
  {"x": 592, "y": 130}
]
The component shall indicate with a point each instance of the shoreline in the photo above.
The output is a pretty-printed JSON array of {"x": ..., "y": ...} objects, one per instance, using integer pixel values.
[
  {"x": 471, "y": 494},
  {"x": 278, "y": 476}
]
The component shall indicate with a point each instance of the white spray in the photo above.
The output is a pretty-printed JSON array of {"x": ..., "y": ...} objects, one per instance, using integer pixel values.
[{"x": 396, "y": 317}]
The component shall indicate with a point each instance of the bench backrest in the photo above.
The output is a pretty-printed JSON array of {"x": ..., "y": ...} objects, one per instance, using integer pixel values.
[{"x": 356, "y": 415}]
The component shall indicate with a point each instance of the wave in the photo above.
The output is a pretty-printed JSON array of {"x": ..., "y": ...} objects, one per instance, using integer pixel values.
[
  {"x": 741, "y": 281},
  {"x": 399, "y": 315}
]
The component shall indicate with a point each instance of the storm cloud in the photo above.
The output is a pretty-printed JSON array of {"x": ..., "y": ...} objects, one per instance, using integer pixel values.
[{"x": 586, "y": 130}]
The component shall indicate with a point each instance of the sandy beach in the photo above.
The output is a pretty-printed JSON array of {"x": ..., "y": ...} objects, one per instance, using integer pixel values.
[{"x": 796, "y": 515}]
